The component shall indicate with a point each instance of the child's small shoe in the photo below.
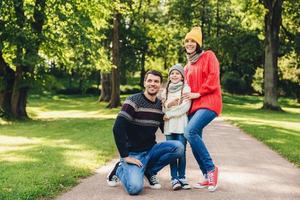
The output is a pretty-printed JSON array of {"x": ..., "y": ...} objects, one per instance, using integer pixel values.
[
  {"x": 184, "y": 184},
  {"x": 176, "y": 185}
]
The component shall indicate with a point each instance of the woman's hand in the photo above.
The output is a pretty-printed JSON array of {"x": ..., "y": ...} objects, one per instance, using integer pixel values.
[
  {"x": 190, "y": 96},
  {"x": 134, "y": 161}
]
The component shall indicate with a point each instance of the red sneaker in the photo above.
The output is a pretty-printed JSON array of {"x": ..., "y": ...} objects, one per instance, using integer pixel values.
[
  {"x": 212, "y": 177},
  {"x": 202, "y": 184}
]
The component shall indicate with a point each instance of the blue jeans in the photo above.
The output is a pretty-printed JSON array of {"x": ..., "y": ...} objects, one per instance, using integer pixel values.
[
  {"x": 193, "y": 133},
  {"x": 178, "y": 167},
  {"x": 160, "y": 155}
]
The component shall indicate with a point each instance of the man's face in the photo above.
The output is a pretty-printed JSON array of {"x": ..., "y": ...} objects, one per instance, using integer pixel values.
[{"x": 152, "y": 84}]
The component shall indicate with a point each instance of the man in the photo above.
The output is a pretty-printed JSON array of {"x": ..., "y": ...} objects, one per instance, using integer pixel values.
[{"x": 134, "y": 132}]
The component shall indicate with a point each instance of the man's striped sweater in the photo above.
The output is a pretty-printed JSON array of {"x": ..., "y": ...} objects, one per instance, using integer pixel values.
[{"x": 136, "y": 124}]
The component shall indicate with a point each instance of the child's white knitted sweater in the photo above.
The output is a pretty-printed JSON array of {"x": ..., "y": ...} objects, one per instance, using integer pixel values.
[{"x": 177, "y": 114}]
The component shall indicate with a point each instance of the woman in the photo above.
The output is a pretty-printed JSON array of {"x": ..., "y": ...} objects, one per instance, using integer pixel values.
[{"x": 202, "y": 75}]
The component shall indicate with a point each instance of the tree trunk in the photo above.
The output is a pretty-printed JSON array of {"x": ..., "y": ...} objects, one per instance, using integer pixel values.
[
  {"x": 272, "y": 25},
  {"x": 143, "y": 71},
  {"x": 115, "y": 100},
  {"x": 7, "y": 76},
  {"x": 26, "y": 53},
  {"x": 123, "y": 77},
  {"x": 105, "y": 87},
  {"x": 298, "y": 93},
  {"x": 218, "y": 18},
  {"x": 19, "y": 95}
]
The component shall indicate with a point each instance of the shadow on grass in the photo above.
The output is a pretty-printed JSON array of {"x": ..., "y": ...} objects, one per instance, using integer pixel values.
[
  {"x": 246, "y": 99},
  {"x": 67, "y": 102}
]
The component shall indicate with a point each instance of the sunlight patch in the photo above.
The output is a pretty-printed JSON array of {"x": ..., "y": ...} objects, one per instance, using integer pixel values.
[
  {"x": 72, "y": 114},
  {"x": 16, "y": 158},
  {"x": 3, "y": 122},
  {"x": 10, "y": 143},
  {"x": 84, "y": 159},
  {"x": 16, "y": 140}
]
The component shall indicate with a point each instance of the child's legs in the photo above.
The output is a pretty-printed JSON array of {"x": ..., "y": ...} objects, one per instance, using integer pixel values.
[
  {"x": 181, "y": 167},
  {"x": 173, "y": 165},
  {"x": 163, "y": 154}
]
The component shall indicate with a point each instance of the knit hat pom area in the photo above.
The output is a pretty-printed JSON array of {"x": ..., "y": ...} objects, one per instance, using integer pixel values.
[
  {"x": 177, "y": 67},
  {"x": 195, "y": 34}
]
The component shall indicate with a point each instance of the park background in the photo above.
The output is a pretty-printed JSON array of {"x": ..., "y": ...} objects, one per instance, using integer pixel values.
[{"x": 66, "y": 67}]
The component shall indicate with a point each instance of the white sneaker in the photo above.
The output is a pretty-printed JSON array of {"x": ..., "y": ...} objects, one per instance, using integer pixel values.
[
  {"x": 176, "y": 185},
  {"x": 184, "y": 184},
  {"x": 112, "y": 179},
  {"x": 153, "y": 181}
]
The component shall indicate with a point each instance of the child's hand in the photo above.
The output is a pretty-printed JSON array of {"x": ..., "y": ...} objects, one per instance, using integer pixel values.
[
  {"x": 175, "y": 102},
  {"x": 166, "y": 118}
]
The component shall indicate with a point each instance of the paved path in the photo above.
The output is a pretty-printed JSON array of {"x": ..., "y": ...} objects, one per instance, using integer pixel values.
[{"x": 248, "y": 170}]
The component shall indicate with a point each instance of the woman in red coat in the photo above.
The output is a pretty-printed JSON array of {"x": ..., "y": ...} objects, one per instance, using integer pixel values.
[{"x": 202, "y": 75}]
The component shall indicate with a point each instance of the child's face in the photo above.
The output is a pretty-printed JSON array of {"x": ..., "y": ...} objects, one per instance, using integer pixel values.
[{"x": 175, "y": 76}]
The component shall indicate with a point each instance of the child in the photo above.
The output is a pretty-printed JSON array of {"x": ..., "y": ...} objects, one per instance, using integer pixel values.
[{"x": 176, "y": 120}]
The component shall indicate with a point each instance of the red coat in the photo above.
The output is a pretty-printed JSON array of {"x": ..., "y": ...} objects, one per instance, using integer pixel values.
[{"x": 204, "y": 77}]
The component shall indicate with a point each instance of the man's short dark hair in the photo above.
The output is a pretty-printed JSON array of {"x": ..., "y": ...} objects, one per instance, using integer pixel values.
[{"x": 155, "y": 73}]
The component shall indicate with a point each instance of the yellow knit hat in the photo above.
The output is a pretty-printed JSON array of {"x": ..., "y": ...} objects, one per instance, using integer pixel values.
[{"x": 195, "y": 34}]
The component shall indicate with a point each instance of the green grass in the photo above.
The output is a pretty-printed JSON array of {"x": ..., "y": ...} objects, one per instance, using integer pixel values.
[
  {"x": 279, "y": 130},
  {"x": 68, "y": 138}
]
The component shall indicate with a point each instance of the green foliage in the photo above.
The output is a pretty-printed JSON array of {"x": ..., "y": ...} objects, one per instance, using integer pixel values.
[
  {"x": 77, "y": 35},
  {"x": 258, "y": 79},
  {"x": 130, "y": 89},
  {"x": 233, "y": 83}
]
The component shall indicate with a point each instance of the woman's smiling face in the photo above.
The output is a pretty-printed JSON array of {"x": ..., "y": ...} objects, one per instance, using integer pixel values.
[{"x": 190, "y": 46}]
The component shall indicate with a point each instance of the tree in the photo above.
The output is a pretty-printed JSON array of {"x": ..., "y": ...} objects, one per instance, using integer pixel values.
[
  {"x": 33, "y": 34},
  {"x": 24, "y": 41},
  {"x": 272, "y": 26},
  {"x": 115, "y": 100}
]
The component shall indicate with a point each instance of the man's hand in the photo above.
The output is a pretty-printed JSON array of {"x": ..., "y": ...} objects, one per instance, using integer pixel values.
[
  {"x": 133, "y": 161},
  {"x": 190, "y": 96}
]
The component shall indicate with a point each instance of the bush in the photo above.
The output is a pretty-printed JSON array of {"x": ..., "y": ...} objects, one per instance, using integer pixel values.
[
  {"x": 93, "y": 90},
  {"x": 130, "y": 89},
  {"x": 69, "y": 91},
  {"x": 234, "y": 83}
]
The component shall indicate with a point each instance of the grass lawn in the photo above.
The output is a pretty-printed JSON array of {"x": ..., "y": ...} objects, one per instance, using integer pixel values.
[
  {"x": 279, "y": 130},
  {"x": 69, "y": 138}
]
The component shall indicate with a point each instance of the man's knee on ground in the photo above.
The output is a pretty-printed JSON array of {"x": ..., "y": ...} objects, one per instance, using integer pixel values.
[{"x": 134, "y": 189}]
